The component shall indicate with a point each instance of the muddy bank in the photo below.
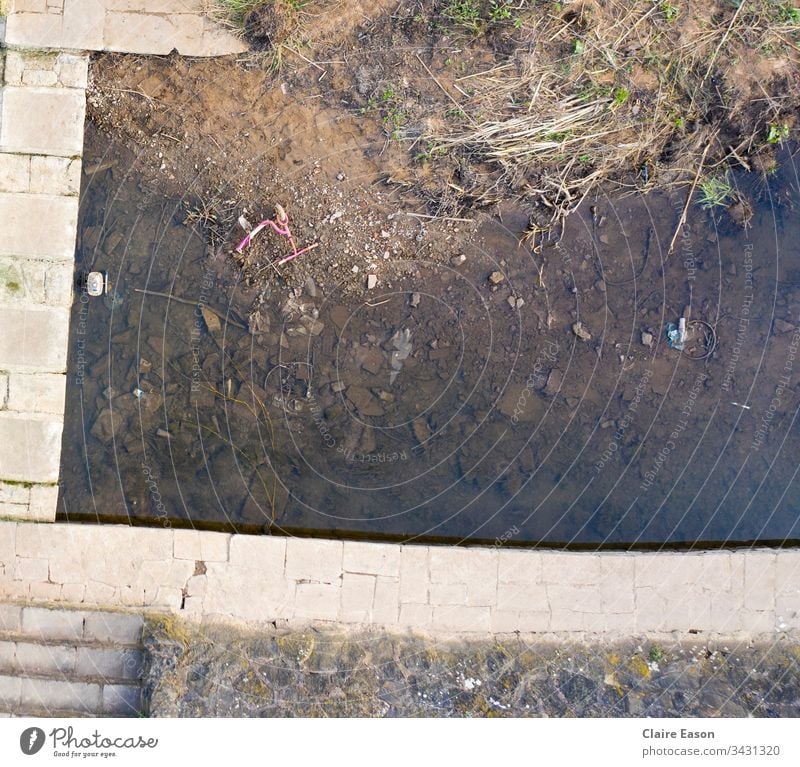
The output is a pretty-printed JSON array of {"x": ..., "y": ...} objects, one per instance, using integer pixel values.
[
  {"x": 274, "y": 673},
  {"x": 455, "y": 106}
]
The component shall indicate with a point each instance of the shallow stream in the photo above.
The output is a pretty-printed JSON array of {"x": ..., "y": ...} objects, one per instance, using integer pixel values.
[{"x": 444, "y": 407}]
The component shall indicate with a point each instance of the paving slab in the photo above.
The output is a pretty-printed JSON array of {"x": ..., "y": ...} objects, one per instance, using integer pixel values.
[
  {"x": 33, "y": 658},
  {"x": 10, "y": 687},
  {"x": 52, "y": 237},
  {"x": 34, "y": 338},
  {"x": 37, "y": 446},
  {"x": 153, "y": 34},
  {"x": 15, "y": 172},
  {"x": 55, "y": 175},
  {"x": 42, "y": 506},
  {"x": 314, "y": 560},
  {"x": 25, "y": 281},
  {"x": 37, "y": 392},
  {"x": 34, "y": 30},
  {"x": 83, "y": 24},
  {"x": 109, "y": 663},
  {"x": 45, "y": 121},
  {"x": 150, "y": 26},
  {"x": 10, "y": 618},
  {"x": 371, "y": 558}
]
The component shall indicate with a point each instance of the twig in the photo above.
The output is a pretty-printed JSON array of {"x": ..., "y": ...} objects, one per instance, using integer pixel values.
[
  {"x": 224, "y": 317},
  {"x": 741, "y": 160},
  {"x": 441, "y": 218},
  {"x": 682, "y": 219},
  {"x": 308, "y": 61},
  {"x": 442, "y": 88},
  {"x": 722, "y": 42}
]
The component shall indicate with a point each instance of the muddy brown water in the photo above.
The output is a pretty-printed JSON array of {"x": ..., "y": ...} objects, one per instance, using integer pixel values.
[{"x": 437, "y": 408}]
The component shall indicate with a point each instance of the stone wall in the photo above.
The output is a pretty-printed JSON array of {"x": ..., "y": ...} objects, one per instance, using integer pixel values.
[
  {"x": 42, "y": 107},
  {"x": 261, "y": 580}
]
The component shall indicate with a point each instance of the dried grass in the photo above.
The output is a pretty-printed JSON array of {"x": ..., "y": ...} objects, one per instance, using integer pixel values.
[{"x": 624, "y": 92}]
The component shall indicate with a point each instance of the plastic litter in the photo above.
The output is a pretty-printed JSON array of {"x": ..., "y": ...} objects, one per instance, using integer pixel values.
[
  {"x": 281, "y": 227},
  {"x": 96, "y": 283},
  {"x": 676, "y": 334}
]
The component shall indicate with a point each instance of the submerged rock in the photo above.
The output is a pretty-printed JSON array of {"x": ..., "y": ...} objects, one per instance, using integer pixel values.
[
  {"x": 364, "y": 401},
  {"x": 554, "y": 381},
  {"x": 581, "y": 332},
  {"x": 212, "y": 321},
  {"x": 108, "y": 423}
]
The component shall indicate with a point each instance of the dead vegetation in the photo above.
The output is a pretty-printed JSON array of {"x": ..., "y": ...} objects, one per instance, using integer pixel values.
[
  {"x": 625, "y": 92},
  {"x": 571, "y": 95}
]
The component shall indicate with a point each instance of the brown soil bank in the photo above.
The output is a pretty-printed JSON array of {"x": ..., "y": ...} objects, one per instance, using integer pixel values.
[{"x": 462, "y": 103}]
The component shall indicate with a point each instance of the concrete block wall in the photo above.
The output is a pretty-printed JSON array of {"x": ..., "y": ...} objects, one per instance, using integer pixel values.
[{"x": 42, "y": 110}]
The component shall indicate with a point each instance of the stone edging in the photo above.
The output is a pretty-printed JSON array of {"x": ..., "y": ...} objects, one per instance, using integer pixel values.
[
  {"x": 127, "y": 26},
  {"x": 40, "y": 167},
  {"x": 259, "y": 580}
]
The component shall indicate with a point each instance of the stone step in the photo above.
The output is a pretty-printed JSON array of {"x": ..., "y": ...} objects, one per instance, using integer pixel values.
[
  {"x": 38, "y": 713},
  {"x": 69, "y": 662},
  {"x": 74, "y": 661},
  {"x": 19, "y": 694},
  {"x": 84, "y": 627}
]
